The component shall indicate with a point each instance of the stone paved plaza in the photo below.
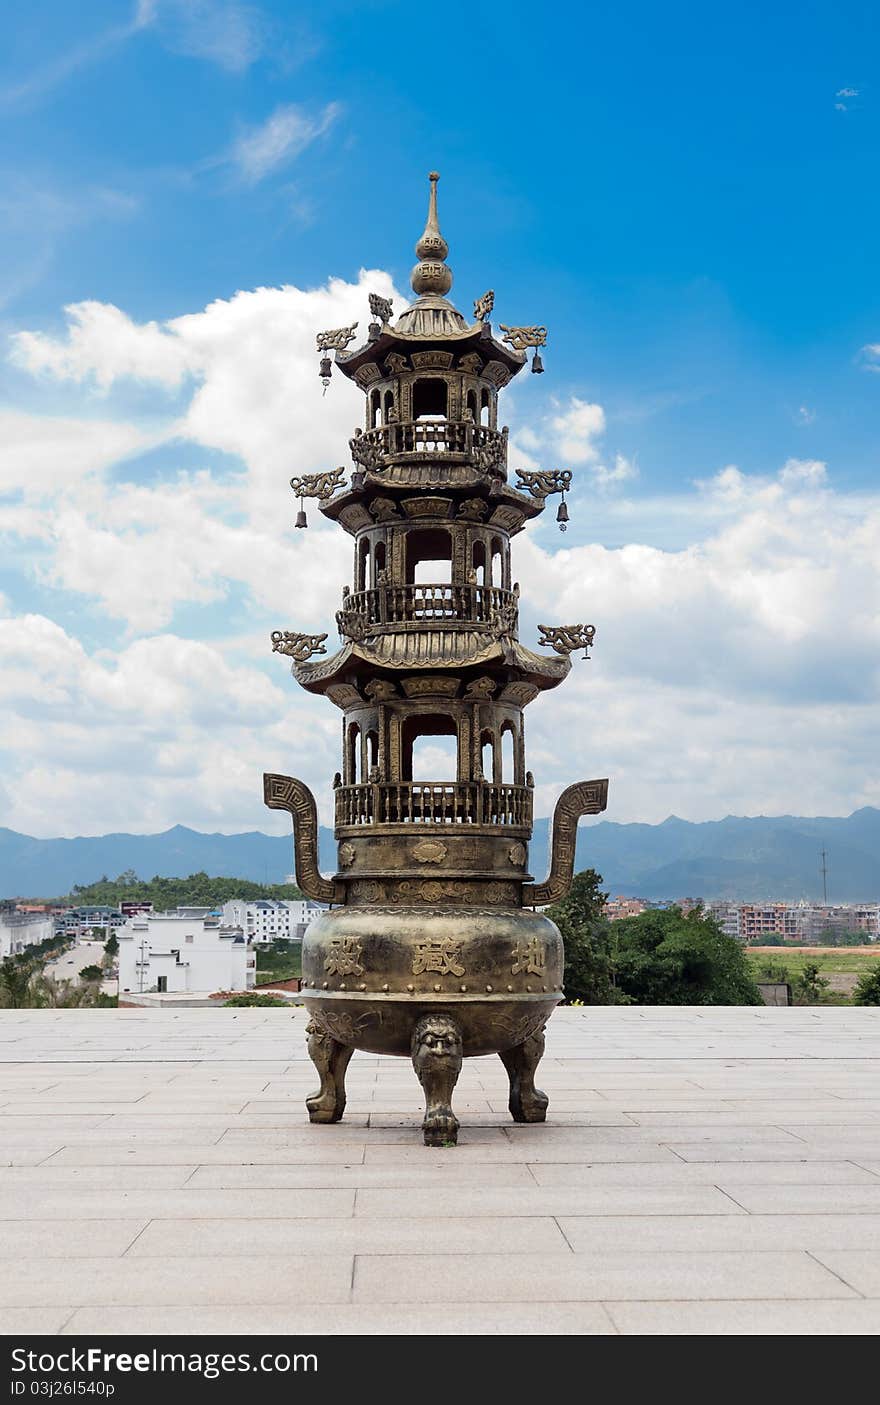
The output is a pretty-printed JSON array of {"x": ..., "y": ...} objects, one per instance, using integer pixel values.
[{"x": 704, "y": 1171}]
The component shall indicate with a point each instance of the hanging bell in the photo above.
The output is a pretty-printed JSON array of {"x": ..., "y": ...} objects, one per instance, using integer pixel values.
[
  {"x": 562, "y": 515},
  {"x": 374, "y": 331},
  {"x": 358, "y": 479},
  {"x": 301, "y": 519},
  {"x": 325, "y": 371},
  {"x": 537, "y": 365}
]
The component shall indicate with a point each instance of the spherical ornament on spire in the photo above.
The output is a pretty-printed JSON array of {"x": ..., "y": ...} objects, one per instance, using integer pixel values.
[
  {"x": 430, "y": 274},
  {"x": 431, "y": 277}
]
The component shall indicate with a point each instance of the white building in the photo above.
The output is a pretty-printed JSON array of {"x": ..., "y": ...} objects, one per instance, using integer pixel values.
[
  {"x": 265, "y": 920},
  {"x": 19, "y": 930},
  {"x": 187, "y": 950}
]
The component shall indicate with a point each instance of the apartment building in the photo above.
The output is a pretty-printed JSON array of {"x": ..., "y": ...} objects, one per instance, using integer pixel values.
[
  {"x": 619, "y": 907},
  {"x": 82, "y": 921},
  {"x": 795, "y": 922},
  {"x": 266, "y": 920},
  {"x": 20, "y": 930}
]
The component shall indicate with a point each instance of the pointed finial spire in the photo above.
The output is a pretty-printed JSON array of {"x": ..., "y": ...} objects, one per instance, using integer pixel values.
[{"x": 430, "y": 274}]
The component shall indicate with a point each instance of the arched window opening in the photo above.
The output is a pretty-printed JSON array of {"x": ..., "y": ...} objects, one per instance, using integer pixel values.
[
  {"x": 508, "y": 754},
  {"x": 389, "y": 406},
  {"x": 430, "y": 399},
  {"x": 363, "y": 564},
  {"x": 352, "y": 754},
  {"x": 375, "y": 410},
  {"x": 428, "y": 557},
  {"x": 487, "y": 756},
  {"x": 372, "y": 753},
  {"x": 497, "y": 561},
  {"x": 471, "y": 405},
  {"x": 378, "y": 561},
  {"x": 429, "y": 748},
  {"x": 479, "y": 562},
  {"x": 485, "y": 406}
]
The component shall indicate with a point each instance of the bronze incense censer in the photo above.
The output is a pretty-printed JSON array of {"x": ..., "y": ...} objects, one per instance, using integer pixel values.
[{"x": 432, "y": 947}]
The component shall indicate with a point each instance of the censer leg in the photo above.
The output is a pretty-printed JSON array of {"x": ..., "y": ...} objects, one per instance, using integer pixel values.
[
  {"x": 436, "y": 1055},
  {"x": 527, "y": 1103},
  {"x": 331, "y": 1060}
]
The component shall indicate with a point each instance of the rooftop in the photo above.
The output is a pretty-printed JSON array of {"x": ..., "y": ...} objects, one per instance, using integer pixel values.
[{"x": 703, "y": 1171}]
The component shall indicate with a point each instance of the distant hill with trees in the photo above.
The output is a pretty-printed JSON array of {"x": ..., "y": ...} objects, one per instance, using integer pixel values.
[
  {"x": 196, "y": 890},
  {"x": 746, "y": 859}
]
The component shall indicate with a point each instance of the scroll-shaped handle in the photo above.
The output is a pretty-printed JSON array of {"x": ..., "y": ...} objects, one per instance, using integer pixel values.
[
  {"x": 285, "y": 793},
  {"x": 583, "y": 798}
]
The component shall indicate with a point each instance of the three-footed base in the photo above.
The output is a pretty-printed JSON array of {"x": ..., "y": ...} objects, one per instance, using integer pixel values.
[{"x": 436, "y": 1050}]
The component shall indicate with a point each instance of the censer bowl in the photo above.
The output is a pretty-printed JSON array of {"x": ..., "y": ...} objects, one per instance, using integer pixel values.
[{"x": 371, "y": 975}]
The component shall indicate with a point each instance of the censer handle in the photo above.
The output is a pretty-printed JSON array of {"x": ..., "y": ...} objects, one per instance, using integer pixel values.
[
  {"x": 582, "y": 798},
  {"x": 286, "y": 793}
]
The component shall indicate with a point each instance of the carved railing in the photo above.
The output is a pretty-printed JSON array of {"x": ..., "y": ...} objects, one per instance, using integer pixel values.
[
  {"x": 434, "y": 802},
  {"x": 462, "y": 438},
  {"x": 434, "y": 604}
]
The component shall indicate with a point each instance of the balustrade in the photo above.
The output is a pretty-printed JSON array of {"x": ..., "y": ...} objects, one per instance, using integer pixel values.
[
  {"x": 462, "y": 438},
  {"x": 434, "y": 802},
  {"x": 433, "y": 603}
]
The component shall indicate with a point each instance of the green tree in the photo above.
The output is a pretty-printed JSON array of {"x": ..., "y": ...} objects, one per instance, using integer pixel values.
[
  {"x": 15, "y": 980},
  {"x": 867, "y": 991},
  {"x": 91, "y": 973},
  {"x": 667, "y": 958},
  {"x": 253, "y": 999},
  {"x": 198, "y": 889},
  {"x": 586, "y": 938},
  {"x": 111, "y": 946},
  {"x": 48, "y": 993},
  {"x": 809, "y": 987}
]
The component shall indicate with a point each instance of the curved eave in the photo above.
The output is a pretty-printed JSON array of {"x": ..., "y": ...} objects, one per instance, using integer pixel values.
[
  {"x": 434, "y": 649},
  {"x": 382, "y": 484},
  {"x": 477, "y": 337}
]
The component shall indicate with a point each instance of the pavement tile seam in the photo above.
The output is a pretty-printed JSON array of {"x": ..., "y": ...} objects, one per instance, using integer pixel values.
[{"x": 816, "y": 1256}]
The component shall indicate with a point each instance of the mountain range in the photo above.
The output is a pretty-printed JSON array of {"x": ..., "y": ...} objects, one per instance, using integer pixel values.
[{"x": 748, "y": 859}]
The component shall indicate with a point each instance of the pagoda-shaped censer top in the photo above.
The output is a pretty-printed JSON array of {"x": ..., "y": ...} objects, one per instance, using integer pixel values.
[{"x": 432, "y": 946}]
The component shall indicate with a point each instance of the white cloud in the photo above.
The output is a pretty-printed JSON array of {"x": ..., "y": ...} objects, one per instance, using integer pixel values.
[
  {"x": 167, "y": 725},
  {"x": 623, "y": 469},
  {"x": 849, "y": 94},
  {"x": 574, "y": 434},
  {"x": 143, "y": 551},
  {"x": 871, "y": 356},
  {"x": 781, "y": 600},
  {"x": 279, "y": 140},
  {"x": 105, "y": 344},
  {"x": 231, "y": 35},
  {"x": 576, "y": 430},
  {"x": 41, "y": 455},
  {"x": 736, "y": 672}
]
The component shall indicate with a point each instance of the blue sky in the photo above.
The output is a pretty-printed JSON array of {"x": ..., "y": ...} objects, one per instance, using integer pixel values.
[{"x": 685, "y": 196}]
